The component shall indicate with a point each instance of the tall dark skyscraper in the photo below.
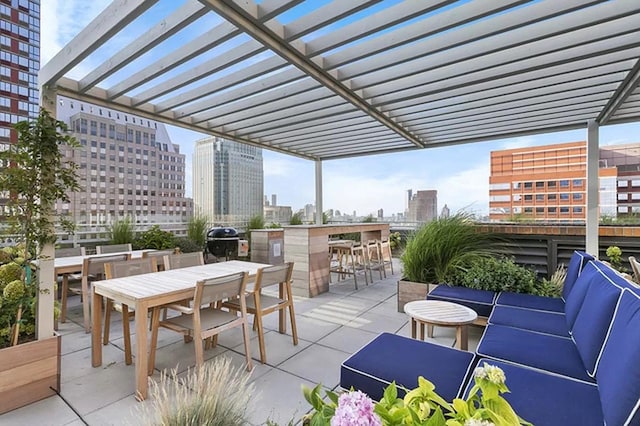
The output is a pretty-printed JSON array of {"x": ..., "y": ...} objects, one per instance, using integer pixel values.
[{"x": 19, "y": 64}]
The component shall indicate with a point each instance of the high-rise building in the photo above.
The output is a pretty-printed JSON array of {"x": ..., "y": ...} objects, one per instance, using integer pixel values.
[
  {"x": 228, "y": 180},
  {"x": 128, "y": 167},
  {"x": 626, "y": 160},
  {"x": 19, "y": 65},
  {"x": 274, "y": 213},
  {"x": 423, "y": 206},
  {"x": 547, "y": 183}
]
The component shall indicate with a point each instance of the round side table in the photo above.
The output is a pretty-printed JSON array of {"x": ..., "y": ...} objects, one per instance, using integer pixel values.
[{"x": 436, "y": 312}]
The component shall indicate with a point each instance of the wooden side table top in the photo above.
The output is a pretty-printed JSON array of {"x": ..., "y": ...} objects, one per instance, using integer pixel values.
[{"x": 440, "y": 313}]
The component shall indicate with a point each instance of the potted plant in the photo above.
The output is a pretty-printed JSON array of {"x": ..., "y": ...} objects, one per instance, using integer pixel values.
[
  {"x": 34, "y": 177},
  {"x": 437, "y": 250}
]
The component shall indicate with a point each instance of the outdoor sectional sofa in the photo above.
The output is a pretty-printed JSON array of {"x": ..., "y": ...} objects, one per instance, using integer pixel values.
[{"x": 575, "y": 365}]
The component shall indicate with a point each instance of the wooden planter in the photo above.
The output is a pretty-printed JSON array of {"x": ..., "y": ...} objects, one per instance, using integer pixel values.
[
  {"x": 409, "y": 291},
  {"x": 29, "y": 372}
]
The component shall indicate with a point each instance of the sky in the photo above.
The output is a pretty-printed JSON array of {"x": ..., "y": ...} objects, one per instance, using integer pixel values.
[{"x": 460, "y": 173}]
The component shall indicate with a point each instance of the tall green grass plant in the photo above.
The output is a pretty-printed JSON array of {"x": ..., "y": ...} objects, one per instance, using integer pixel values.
[
  {"x": 197, "y": 229},
  {"x": 121, "y": 231}
]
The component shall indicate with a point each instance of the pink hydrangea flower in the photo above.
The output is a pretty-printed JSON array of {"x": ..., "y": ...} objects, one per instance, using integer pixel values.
[{"x": 355, "y": 409}]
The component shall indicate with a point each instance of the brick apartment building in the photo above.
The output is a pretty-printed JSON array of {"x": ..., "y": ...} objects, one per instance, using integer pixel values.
[{"x": 548, "y": 183}]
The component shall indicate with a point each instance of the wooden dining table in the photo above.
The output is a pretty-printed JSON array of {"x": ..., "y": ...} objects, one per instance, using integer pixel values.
[{"x": 146, "y": 291}]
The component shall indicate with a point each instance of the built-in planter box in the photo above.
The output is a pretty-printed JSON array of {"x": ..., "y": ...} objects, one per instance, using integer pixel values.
[
  {"x": 409, "y": 291},
  {"x": 29, "y": 372}
]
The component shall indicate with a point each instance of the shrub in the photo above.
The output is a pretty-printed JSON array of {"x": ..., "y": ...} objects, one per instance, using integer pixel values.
[
  {"x": 215, "y": 394},
  {"x": 154, "y": 238},
  {"x": 444, "y": 246},
  {"x": 121, "y": 231},
  {"x": 187, "y": 245},
  {"x": 496, "y": 274},
  {"x": 296, "y": 219}
]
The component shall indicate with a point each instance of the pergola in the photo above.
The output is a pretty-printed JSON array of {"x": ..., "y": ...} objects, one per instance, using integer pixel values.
[{"x": 326, "y": 79}]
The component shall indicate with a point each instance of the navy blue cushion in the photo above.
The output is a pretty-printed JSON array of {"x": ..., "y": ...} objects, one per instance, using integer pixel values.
[
  {"x": 577, "y": 262},
  {"x": 390, "y": 357},
  {"x": 576, "y": 297},
  {"x": 594, "y": 318},
  {"x": 481, "y": 301},
  {"x": 618, "y": 370},
  {"x": 546, "y": 399},
  {"x": 544, "y": 351},
  {"x": 530, "y": 301},
  {"x": 528, "y": 319}
]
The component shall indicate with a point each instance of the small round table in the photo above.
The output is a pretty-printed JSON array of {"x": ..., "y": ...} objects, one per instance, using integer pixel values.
[{"x": 436, "y": 312}]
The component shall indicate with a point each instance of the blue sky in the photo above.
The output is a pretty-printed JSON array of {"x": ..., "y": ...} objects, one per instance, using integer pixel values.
[{"x": 361, "y": 184}]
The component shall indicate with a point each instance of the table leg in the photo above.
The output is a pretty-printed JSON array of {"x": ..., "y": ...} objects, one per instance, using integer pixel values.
[
  {"x": 413, "y": 328},
  {"x": 462, "y": 337},
  {"x": 96, "y": 331},
  {"x": 142, "y": 311},
  {"x": 430, "y": 330},
  {"x": 282, "y": 323},
  {"x": 421, "y": 330}
]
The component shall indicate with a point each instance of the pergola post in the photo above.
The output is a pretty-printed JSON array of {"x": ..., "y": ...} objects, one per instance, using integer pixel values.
[
  {"x": 593, "y": 157},
  {"x": 46, "y": 270},
  {"x": 318, "y": 192}
]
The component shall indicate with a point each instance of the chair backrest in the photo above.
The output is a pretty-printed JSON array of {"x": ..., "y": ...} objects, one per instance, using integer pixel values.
[
  {"x": 94, "y": 265},
  {"x": 272, "y": 275},
  {"x": 385, "y": 249},
  {"x": 185, "y": 260},
  {"x": 635, "y": 267},
  {"x": 129, "y": 267},
  {"x": 159, "y": 255},
  {"x": 70, "y": 251},
  {"x": 215, "y": 289},
  {"x": 113, "y": 248}
]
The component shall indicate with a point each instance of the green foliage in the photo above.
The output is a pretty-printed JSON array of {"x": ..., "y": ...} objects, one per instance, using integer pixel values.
[
  {"x": 154, "y": 238},
  {"x": 423, "y": 406},
  {"x": 444, "y": 246},
  {"x": 369, "y": 219},
  {"x": 197, "y": 230},
  {"x": 615, "y": 258},
  {"x": 552, "y": 287},
  {"x": 296, "y": 219},
  {"x": 187, "y": 245},
  {"x": 273, "y": 225},
  {"x": 37, "y": 176},
  {"x": 9, "y": 272},
  {"x": 121, "y": 231},
  {"x": 215, "y": 394},
  {"x": 496, "y": 274},
  {"x": 395, "y": 240},
  {"x": 256, "y": 222}
]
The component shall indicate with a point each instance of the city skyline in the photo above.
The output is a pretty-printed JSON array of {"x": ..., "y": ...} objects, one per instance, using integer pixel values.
[{"x": 460, "y": 174}]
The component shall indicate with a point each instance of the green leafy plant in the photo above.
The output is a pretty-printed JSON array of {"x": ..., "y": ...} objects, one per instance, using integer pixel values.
[
  {"x": 496, "y": 274},
  {"x": 296, "y": 219},
  {"x": 154, "y": 238},
  {"x": 187, "y": 245},
  {"x": 614, "y": 253},
  {"x": 552, "y": 287},
  {"x": 443, "y": 246},
  {"x": 421, "y": 406},
  {"x": 197, "y": 230},
  {"x": 369, "y": 219},
  {"x": 212, "y": 395},
  {"x": 35, "y": 175},
  {"x": 395, "y": 240},
  {"x": 121, "y": 231}
]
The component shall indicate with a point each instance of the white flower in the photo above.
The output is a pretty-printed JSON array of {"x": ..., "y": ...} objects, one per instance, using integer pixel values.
[
  {"x": 478, "y": 422},
  {"x": 490, "y": 372}
]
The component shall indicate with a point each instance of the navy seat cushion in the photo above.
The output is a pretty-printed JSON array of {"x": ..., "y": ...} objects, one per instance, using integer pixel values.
[
  {"x": 528, "y": 319},
  {"x": 544, "y": 351},
  {"x": 481, "y": 301},
  {"x": 390, "y": 357},
  {"x": 577, "y": 263},
  {"x": 594, "y": 317},
  {"x": 618, "y": 372},
  {"x": 546, "y": 399},
  {"x": 530, "y": 301},
  {"x": 576, "y": 297}
]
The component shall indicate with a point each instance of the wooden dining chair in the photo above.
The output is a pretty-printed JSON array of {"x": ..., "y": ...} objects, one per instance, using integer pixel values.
[
  {"x": 206, "y": 319},
  {"x": 184, "y": 260},
  {"x": 260, "y": 304},
  {"x": 70, "y": 251},
  {"x": 63, "y": 280},
  {"x": 159, "y": 256},
  {"x": 92, "y": 270},
  {"x": 113, "y": 248},
  {"x": 120, "y": 270}
]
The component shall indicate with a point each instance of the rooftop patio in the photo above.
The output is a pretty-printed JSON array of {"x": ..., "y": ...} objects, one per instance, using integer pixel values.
[{"x": 331, "y": 326}]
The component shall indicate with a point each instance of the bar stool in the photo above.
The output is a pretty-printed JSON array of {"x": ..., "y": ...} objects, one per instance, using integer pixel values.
[
  {"x": 374, "y": 258},
  {"x": 350, "y": 259}
]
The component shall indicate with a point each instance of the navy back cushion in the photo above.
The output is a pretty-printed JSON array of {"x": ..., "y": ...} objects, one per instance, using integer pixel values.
[
  {"x": 618, "y": 373},
  {"x": 579, "y": 291},
  {"x": 594, "y": 318},
  {"x": 577, "y": 262}
]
